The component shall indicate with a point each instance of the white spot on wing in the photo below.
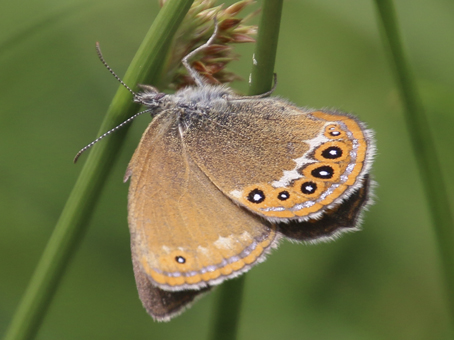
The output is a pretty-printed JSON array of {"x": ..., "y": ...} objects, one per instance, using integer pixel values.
[
  {"x": 246, "y": 237},
  {"x": 203, "y": 250},
  {"x": 224, "y": 242},
  {"x": 236, "y": 193}
]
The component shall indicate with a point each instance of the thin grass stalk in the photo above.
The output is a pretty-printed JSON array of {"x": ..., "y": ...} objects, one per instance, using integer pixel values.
[
  {"x": 423, "y": 147},
  {"x": 75, "y": 216},
  {"x": 228, "y": 308},
  {"x": 265, "y": 53}
]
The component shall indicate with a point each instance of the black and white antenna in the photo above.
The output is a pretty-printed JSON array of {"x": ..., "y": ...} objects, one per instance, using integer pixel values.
[
  {"x": 136, "y": 98},
  {"x": 130, "y": 119},
  {"x": 98, "y": 50}
]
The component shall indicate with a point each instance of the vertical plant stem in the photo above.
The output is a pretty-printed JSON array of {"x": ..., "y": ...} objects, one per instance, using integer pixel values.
[
  {"x": 228, "y": 308},
  {"x": 265, "y": 52},
  {"x": 423, "y": 147},
  {"x": 227, "y": 314},
  {"x": 73, "y": 221}
]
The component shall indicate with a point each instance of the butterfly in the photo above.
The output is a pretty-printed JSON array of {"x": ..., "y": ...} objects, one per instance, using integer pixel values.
[{"x": 219, "y": 179}]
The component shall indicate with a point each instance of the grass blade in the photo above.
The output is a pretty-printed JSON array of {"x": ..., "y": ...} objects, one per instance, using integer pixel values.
[{"x": 423, "y": 147}]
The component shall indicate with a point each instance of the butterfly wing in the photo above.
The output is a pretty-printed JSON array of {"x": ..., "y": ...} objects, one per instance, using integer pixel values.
[
  {"x": 280, "y": 161},
  {"x": 185, "y": 233},
  {"x": 162, "y": 305},
  {"x": 342, "y": 218}
]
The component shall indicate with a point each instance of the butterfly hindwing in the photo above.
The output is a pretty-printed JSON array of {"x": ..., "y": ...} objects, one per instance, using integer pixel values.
[{"x": 280, "y": 161}]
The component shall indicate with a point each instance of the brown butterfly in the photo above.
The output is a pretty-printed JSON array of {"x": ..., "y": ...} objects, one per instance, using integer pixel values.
[{"x": 218, "y": 179}]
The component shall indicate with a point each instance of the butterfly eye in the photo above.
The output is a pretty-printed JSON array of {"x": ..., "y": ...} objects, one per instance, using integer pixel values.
[
  {"x": 332, "y": 152},
  {"x": 256, "y": 196},
  {"x": 308, "y": 188},
  {"x": 283, "y": 195},
  {"x": 180, "y": 259},
  {"x": 325, "y": 172}
]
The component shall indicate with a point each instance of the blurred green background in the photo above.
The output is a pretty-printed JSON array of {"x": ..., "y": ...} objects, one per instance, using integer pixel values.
[{"x": 381, "y": 283}]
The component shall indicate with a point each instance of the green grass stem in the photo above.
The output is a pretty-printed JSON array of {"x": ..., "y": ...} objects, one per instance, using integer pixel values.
[
  {"x": 266, "y": 49},
  {"x": 75, "y": 216},
  {"x": 227, "y": 314},
  {"x": 423, "y": 147}
]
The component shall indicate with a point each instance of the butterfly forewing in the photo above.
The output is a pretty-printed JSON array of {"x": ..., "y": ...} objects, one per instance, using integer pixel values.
[{"x": 186, "y": 233}]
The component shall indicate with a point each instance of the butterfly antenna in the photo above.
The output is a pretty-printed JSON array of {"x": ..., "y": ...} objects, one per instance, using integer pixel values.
[
  {"x": 194, "y": 74},
  {"x": 108, "y": 133},
  {"x": 98, "y": 50}
]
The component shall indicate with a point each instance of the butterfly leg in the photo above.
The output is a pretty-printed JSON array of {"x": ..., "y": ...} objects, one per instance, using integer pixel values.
[{"x": 196, "y": 76}]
